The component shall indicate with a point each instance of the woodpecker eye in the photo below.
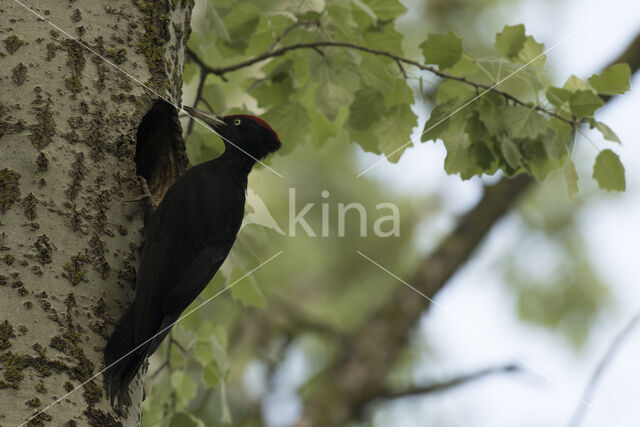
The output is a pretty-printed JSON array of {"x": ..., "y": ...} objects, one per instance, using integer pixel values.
[{"x": 237, "y": 122}]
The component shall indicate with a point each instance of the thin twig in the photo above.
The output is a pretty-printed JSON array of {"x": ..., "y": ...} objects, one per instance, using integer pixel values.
[
  {"x": 453, "y": 382},
  {"x": 170, "y": 368},
  {"x": 298, "y": 320},
  {"x": 177, "y": 344},
  {"x": 157, "y": 371},
  {"x": 618, "y": 340},
  {"x": 404, "y": 73},
  {"x": 199, "y": 62},
  {"x": 203, "y": 77},
  {"x": 221, "y": 71},
  {"x": 320, "y": 52},
  {"x": 288, "y": 30}
]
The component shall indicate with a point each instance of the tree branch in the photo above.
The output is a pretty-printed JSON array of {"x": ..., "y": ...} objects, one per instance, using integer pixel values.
[
  {"x": 587, "y": 394},
  {"x": 203, "y": 77},
  {"x": 204, "y": 68},
  {"x": 221, "y": 71},
  {"x": 289, "y": 29},
  {"x": 357, "y": 373},
  {"x": 450, "y": 383},
  {"x": 293, "y": 319}
]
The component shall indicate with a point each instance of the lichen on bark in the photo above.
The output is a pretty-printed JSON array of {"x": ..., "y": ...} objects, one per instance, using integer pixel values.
[
  {"x": 9, "y": 188},
  {"x": 12, "y": 44},
  {"x": 44, "y": 128},
  {"x": 68, "y": 276},
  {"x": 19, "y": 74}
]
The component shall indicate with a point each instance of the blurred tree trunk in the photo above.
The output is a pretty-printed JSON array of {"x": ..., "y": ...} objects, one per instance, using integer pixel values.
[
  {"x": 68, "y": 239},
  {"x": 357, "y": 373}
]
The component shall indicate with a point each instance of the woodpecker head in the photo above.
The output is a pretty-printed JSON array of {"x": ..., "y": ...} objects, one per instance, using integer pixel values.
[{"x": 248, "y": 133}]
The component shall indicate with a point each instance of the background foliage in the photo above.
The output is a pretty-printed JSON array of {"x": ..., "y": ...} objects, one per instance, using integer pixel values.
[{"x": 328, "y": 104}]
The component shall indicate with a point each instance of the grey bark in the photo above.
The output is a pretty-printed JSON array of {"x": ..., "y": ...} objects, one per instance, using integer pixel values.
[{"x": 68, "y": 238}]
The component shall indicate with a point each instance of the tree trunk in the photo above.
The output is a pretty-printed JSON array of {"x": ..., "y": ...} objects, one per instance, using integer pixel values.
[{"x": 69, "y": 123}]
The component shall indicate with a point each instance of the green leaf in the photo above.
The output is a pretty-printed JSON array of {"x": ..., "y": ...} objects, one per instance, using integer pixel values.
[
  {"x": 511, "y": 152},
  {"x": 609, "y": 171},
  {"x": 561, "y": 129},
  {"x": 464, "y": 67},
  {"x": 212, "y": 375},
  {"x": 454, "y": 89},
  {"x": 336, "y": 65},
  {"x": 366, "y": 109},
  {"x": 324, "y": 130},
  {"x": 249, "y": 294},
  {"x": 401, "y": 94},
  {"x": 557, "y": 96},
  {"x": 584, "y": 103},
  {"x": 190, "y": 70},
  {"x": 267, "y": 30},
  {"x": 375, "y": 74},
  {"x": 537, "y": 160},
  {"x": 292, "y": 123},
  {"x": 330, "y": 97},
  {"x": 438, "y": 121},
  {"x": 385, "y": 37},
  {"x": 366, "y": 139},
  {"x": 363, "y": 17},
  {"x": 214, "y": 95},
  {"x": 444, "y": 50},
  {"x": 241, "y": 23},
  {"x": 483, "y": 157},
  {"x": 571, "y": 178},
  {"x": 574, "y": 84},
  {"x": 394, "y": 131},
  {"x": 492, "y": 70},
  {"x": 524, "y": 122},
  {"x": 339, "y": 20},
  {"x": 476, "y": 128},
  {"x": 386, "y": 10},
  {"x": 184, "y": 386},
  {"x": 184, "y": 419},
  {"x": 203, "y": 145},
  {"x": 214, "y": 20},
  {"x": 457, "y": 142},
  {"x": 203, "y": 352},
  {"x": 176, "y": 357},
  {"x": 308, "y": 9},
  {"x": 276, "y": 89},
  {"x": 557, "y": 142},
  {"x": 490, "y": 112},
  {"x": 511, "y": 40},
  {"x": 606, "y": 132},
  {"x": 612, "y": 81},
  {"x": 531, "y": 52},
  {"x": 211, "y": 354},
  {"x": 247, "y": 291}
]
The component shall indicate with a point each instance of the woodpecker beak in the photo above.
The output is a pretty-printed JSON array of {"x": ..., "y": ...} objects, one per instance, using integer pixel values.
[{"x": 211, "y": 119}]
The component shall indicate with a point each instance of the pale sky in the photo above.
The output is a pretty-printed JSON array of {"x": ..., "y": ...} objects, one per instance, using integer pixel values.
[
  {"x": 489, "y": 332},
  {"x": 478, "y": 326}
]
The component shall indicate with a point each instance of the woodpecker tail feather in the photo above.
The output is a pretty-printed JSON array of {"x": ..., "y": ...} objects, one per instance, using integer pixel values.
[{"x": 125, "y": 366}]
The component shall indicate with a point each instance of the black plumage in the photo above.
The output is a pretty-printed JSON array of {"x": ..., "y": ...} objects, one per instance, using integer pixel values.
[{"x": 187, "y": 239}]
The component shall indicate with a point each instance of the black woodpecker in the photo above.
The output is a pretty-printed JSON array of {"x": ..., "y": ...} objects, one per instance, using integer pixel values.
[{"x": 186, "y": 240}]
